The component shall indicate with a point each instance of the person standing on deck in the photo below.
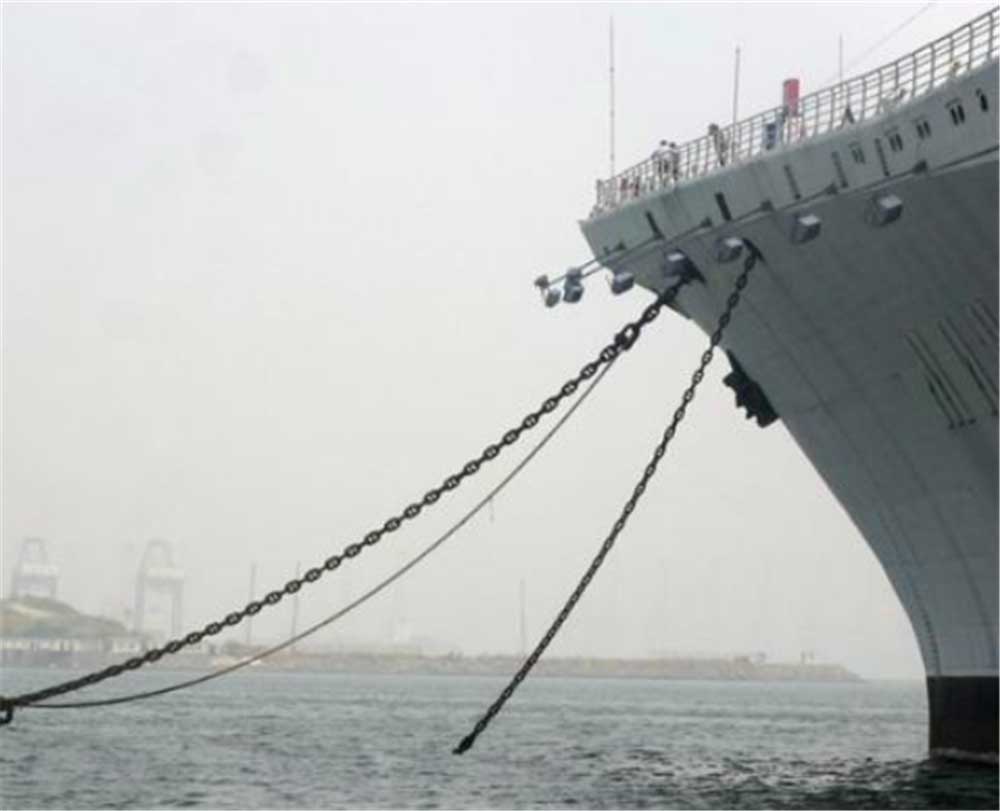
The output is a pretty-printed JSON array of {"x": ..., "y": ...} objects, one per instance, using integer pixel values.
[
  {"x": 661, "y": 158},
  {"x": 720, "y": 142}
]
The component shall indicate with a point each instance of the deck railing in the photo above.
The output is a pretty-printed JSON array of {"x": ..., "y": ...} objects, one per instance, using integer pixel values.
[{"x": 851, "y": 101}]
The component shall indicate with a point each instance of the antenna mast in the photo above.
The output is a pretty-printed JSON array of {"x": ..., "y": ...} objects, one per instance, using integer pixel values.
[
  {"x": 611, "y": 77},
  {"x": 736, "y": 103},
  {"x": 736, "y": 85}
]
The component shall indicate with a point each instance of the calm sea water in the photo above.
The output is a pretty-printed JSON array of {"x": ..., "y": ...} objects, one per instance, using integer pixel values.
[{"x": 280, "y": 740}]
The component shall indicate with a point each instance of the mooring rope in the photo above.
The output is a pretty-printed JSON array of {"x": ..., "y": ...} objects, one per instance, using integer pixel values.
[
  {"x": 624, "y": 340},
  {"x": 658, "y": 453},
  {"x": 364, "y": 598}
]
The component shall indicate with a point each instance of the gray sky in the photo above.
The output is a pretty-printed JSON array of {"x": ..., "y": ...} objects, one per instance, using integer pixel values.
[{"x": 267, "y": 278}]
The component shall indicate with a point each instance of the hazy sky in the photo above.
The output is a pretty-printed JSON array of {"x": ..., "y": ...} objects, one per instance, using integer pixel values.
[{"x": 267, "y": 278}]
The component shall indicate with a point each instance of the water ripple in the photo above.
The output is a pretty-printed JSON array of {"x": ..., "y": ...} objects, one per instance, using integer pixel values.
[{"x": 342, "y": 741}]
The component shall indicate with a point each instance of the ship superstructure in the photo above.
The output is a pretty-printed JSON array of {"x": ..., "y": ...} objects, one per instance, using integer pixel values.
[{"x": 871, "y": 328}]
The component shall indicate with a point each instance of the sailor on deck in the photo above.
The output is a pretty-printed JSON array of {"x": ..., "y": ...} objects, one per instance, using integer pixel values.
[
  {"x": 667, "y": 162},
  {"x": 720, "y": 142},
  {"x": 661, "y": 156}
]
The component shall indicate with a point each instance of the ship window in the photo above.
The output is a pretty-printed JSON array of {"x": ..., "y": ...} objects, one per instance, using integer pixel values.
[
  {"x": 984, "y": 103},
  {"x": 839, "y": 168},
  {"x": 957, "y": 113},
  {"x": 792, "y": 182},
  {"x": 923, "y": 127},
  {"x": 857, "y": 152},
  {"x": 657, "y": 233},
  {"x": 881, "y": 157},
  {"x": 720, "y": 201}
]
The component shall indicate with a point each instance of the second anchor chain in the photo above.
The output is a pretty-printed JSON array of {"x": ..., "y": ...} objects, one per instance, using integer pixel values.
[
  {"x": 623, "y": 341},
  {"x": 640, "y": 488}
]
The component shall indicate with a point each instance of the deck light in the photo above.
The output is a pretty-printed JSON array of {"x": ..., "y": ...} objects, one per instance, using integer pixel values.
[
  {"x": 727, "y": 249},
  {"x": 883, "y": 209},
  {"x": 805, "y": 228},
  {"x": 621, "y": 282},
  {"x": 572, "y": 291},
  {"x": 550, "y": 295},
  {"x": 573, "y": 286}
]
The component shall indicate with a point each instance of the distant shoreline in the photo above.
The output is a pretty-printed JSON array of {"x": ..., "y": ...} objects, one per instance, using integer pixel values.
[
  {"x": 43, "y": 632},
  {"x": 389, "y": 663}
]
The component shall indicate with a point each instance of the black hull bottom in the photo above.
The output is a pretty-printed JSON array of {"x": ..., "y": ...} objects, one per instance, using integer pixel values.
[{"x": 963, "y": 717}]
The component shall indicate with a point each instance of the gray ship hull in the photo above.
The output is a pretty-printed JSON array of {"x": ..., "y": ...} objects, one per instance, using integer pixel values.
[{"x": 876, "y": 345}]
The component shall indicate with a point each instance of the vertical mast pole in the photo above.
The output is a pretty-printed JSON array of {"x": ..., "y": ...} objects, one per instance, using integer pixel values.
[
  {"x": 840, "y": 72},
  {"x": 611, "y": 83},
  {"x": 736, "y": 105}
]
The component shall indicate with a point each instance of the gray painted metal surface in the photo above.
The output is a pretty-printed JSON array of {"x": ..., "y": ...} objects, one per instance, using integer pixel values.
[{"x": 876, "y": 340}]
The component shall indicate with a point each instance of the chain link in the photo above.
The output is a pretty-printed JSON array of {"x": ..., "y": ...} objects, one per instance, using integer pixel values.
[
  {"x": 661, "y": 448},
  {"x": 624, "y": 340}
]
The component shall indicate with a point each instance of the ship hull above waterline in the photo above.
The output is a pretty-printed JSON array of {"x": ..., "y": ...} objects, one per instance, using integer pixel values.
[{"x": 876, "y": 343}]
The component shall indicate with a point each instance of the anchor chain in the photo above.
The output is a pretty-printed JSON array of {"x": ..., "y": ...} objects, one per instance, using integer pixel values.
[
  {"x": 753, "y": 254},
  {"x": 623, "y": 340},
  {"x": 362, "y": 599}
]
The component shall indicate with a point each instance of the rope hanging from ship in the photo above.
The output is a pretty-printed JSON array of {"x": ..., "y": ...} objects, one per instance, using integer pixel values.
[
  {"x": 623, "y": 340},
  {"x": 364, "y": 598}
]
